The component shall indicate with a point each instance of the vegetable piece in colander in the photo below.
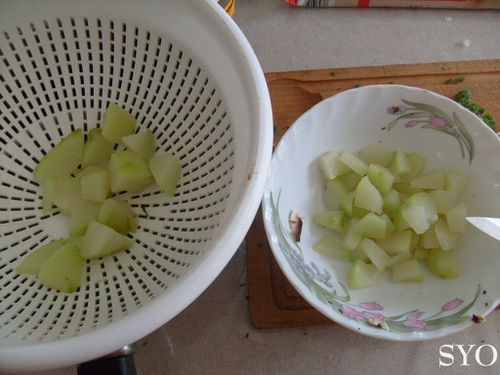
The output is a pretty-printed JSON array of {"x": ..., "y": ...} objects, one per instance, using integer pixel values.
[
  {"x": 67, "y": 194},
  {"x": 32, "y": 264},
  {"x": 100, "y": 240},
  {"x": 97, "y": 150},
  {"x": 128, "y": 172},
  {"x": 63, "y": 270},
  {"x": 95, "y": 186},
  {"x": 118, "y": 215},
  {"x": 117, "y": 123},
  {"x": 64, "y": 158},
  {"x": 142, "y": 143},
  {"x": 82, "y": 216},
  {"x": 166, "y": 170}
]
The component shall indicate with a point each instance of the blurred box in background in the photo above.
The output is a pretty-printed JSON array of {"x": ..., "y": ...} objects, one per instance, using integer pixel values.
[{"x": 450, "y": 4}]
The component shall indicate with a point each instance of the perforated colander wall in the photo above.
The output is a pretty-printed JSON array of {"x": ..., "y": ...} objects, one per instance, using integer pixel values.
[{"x": 60, "y": 74}]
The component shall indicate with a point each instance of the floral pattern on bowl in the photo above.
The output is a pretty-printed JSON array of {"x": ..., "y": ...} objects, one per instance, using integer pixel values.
[
  {"x": 430, "y": 117},
  {"x": 364, "y": 312}
]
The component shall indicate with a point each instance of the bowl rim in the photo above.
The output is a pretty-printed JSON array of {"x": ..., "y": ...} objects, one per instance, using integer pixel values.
[{"x": 415, "y": 336}]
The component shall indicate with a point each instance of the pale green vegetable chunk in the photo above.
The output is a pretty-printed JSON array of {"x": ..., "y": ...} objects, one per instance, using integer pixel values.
[
  {"x": 376, "y": 255},
  {"x": 390, "y": 227},
  {"x": 420, "y": 212},
  {"x": 351, "y": 238},
  {"x": 455, "y": 180},
  {"x": 408, "y": 271},
  {"x": 357, "y": 254},
  {"x": 97, "y": 150},
  {"x": 362, "y": 275},
  {"x": 66, "y": 193},
  {"x": 404, "y": 188},
  {"x": 75, "y": 241},
  {"x": 428, "y": 240},
  {"x": 63, "y": 159},
  {"x": 368, "y": 197},
  {"x": 399, "y": 242},
  {"x": 331, "y": 219},
  {"x": 399, "y": 221},
  {"x": 63, "y": 270},
  {"x": 100, "y": 240},
  {"x": 456, "y": 218},
  {"x": 372, "y": 226},
  {"x": 331, "y": 166},
  {"x": 128, "y": 172},
  {"x": 32, "y": 264},
  {"x": 350, "y": 180},
  {"x": 354, "y": 163},
  {"x": 398, "y": 258},
  {"x": 380, "y": 177},
  {"x": 400, "y": 165},
  {"x": 48, "y": 195},
  {"x": 392, "y": 201},
  {"x": 446, "y": 238},
  {"x": 433, "y": 180},
  {"x": 443, "y": 264},
  {"x": 117, "y": 123},
  {"x": 376, "y": 153},
  {"x": 346, "y": 203},
  {"x": 416, "y": 217},
  {"x": 166, "y": 170},
  {"x": 417, "y": 163},
  {"x": 95, "y": 186},
  {"x": 118, "y": 215},
  {"x": 335, "y": 192},
  {"x": 421, "y": 253},
  {"x": 444, "y": 200},
  {"x": 424, "y": 200},
  {"x": 82, "y": 216},
  {"x": 142, "y": 143},
  {"x": 329, "y": 246},
  {"x": 358, "y": 213}
]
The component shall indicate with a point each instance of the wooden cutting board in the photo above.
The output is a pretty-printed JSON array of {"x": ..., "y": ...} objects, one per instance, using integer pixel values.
[{"x": 274, "y": 303}]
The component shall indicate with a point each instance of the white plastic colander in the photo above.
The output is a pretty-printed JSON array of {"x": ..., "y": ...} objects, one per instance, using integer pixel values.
[{"x": 186, "y": 72}]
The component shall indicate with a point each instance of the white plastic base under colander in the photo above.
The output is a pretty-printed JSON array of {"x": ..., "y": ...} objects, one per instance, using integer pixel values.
[{"x": 187, "y": 73}]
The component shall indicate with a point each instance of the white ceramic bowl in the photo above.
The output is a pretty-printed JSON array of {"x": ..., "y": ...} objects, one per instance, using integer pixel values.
[{"x": 350, "y": 121}]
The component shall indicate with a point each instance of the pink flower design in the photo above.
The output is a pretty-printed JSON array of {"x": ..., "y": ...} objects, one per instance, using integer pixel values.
[
  {"x": 413, "y": 322},
  {"x": 437, "y": 121},
  {"x": 396, "y": 110},
  {"x": 352, "y": 313},
  {"x": 418, "y": 324},
  {"x": 411, "y": 124},
  {"x": 453, "y": 304},
  {"x": 371, "y": 306},
  {"x": 372, "y": 315}
]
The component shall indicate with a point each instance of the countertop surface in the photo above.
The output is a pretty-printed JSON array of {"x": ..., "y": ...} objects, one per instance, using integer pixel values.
[{"x": 214, "y": 335}]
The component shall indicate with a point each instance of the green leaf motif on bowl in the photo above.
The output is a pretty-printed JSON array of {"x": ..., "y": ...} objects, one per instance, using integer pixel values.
[
  {"x": 369, "y": 313},
  {"x": 413, "y": 114}
]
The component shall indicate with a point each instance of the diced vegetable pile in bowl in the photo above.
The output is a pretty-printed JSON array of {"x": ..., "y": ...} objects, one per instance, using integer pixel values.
[{"x": 384, "y": 213}]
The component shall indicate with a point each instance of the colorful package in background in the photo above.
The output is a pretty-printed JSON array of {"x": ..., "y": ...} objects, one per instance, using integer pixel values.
[{"x": 463, "y": 4}]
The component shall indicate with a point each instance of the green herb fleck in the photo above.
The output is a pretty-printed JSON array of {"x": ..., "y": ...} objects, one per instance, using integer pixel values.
[
  {"x": 260, "y": 244},
  {"x": 464, "y": 98},
  {"x": 453, "y": 81},
  {"x": 333, "y": 73},
  {"x": 305, "y": 333},
  {"x": 358, "y": 85},
  {"x": 247, "y": 335},
  {"x": 275, "y": 129},
  {"x": 143, "y": 208}
]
